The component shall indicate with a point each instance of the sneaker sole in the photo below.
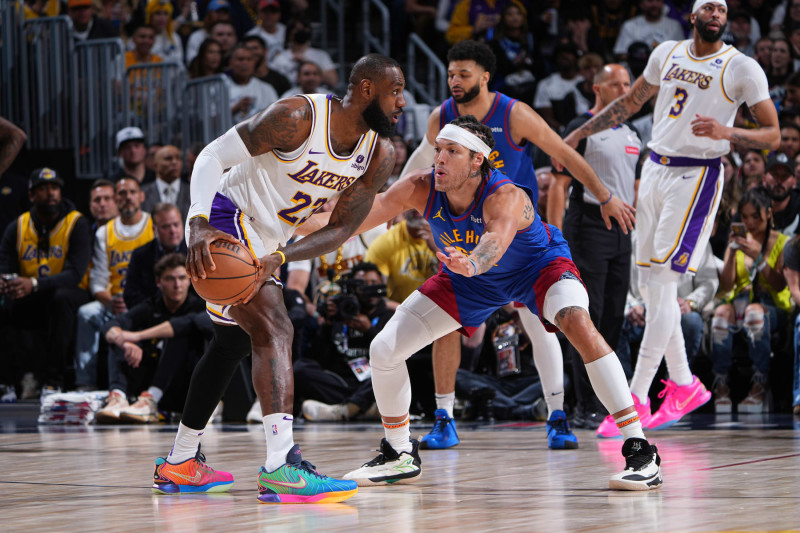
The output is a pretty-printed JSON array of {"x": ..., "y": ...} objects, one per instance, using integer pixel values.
[
  {"x": 324, "y": 497},
  {"x": 105, "y": 418},
  {"x": 640, "y": 485},
  {"x": 386, "y": 480},
  {"x": 138, "y": 419},
  {"x": 173, "y": 489},
  {"x": 426, "y": 445},
  {"x": 566, "y": 445}
]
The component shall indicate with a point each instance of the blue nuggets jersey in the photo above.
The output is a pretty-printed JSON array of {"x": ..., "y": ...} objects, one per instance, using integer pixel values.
[
  {"x": 507, "y": 156},
  {"x": 516, "y": 275}
]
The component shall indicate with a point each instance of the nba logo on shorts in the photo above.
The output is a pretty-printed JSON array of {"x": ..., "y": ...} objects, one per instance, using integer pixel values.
[{"x": 274, "y": 429}]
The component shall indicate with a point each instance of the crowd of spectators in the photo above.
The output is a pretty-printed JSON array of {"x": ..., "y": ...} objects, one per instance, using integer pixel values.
[{"x": 99, "y": 299}]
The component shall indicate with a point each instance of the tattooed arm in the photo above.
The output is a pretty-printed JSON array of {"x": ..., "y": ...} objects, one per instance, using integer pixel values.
[
  {"x": 11, "y": 140},
  {"x": 766, "y": 137},
  {"x": 616, "y": 112},
  {"x": 350, "y": 211},
  {"x": 505, "y": 212}
]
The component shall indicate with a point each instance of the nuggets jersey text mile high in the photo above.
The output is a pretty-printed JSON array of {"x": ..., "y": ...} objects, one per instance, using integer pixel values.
[
  {"x": 507, "y": 156},
  {"x": 514, "y": 275},
  {"x": 279, "y": 191},
  {"x": 715, "y": 86}
]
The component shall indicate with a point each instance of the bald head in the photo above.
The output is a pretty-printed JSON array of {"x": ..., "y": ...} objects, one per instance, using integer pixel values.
[{"x": 610, "y": 82}]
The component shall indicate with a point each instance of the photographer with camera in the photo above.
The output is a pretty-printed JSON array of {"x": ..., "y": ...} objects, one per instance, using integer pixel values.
[{"x": 333, "y": 380}]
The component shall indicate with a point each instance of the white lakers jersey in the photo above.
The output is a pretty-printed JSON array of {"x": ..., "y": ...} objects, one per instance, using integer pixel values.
[
  {"x": 279, "y": 191},
  {"x": 715, "y": 86}
]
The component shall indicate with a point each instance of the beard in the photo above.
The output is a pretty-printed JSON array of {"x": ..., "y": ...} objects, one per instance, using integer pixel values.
[
  {"x": 48, "y": 209},
  {"x": 469, "y": 95},
  {"x": 778, "y": 193},
  {"x": 708, "y": 35},
  {"x": 377, "y": 121}
]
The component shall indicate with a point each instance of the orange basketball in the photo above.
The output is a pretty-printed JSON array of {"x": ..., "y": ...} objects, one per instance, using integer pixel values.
[{"x": 232, "y": 281}]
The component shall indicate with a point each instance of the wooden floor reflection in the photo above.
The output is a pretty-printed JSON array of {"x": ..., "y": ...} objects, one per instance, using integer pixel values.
[{"x": 497, "y": 479}]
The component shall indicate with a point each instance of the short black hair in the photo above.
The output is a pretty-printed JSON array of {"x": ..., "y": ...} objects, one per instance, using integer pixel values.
[
  {"x": 168, "y": 262},
  {"x": 255, "y": 38},
  {"x": 475, "y": 51},
  {"x": 365, "y": 266},
  {"x": 482, "y": 131},
  {"x": 791, "y": 125},
  {"x": 371, "y": 67}
]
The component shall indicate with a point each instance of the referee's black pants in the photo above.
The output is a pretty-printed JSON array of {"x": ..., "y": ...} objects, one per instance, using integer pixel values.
[{"x": 604, "y": 259}]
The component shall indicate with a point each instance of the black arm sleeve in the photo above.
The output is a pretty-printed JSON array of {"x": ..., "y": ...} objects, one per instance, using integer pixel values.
[
  {"x": 136, "y": 319},
  {"x": 9, "y": 261},
  {"x": 80, "y": 252}
]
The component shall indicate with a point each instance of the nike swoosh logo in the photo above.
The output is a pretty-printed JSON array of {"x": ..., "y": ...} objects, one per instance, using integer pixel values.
[
  {"x": 682, "y": 406},
  {"x": 555, "y": 393},
  {"x": 677, "y": 57},
  {"x": 289, "y": 418},
  {"x": 191, "y": 479},
  {"x": 687, "y": 177},
  {"x": 299, "y": 484},
  {"x": 312, "y": 152},
  {"x": 603, "y": 138}
]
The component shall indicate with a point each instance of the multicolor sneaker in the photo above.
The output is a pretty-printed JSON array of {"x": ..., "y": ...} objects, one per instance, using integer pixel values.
[
  {"x": 642, "y": 467},
  {"x": 298, "y": 481},
  {"x": 389, "y": 467},
  {"x": 608, "y": 428},
  {"x": 559, "y": 435},
  {"x": 192, "y": 475},
  {"x": 443, "y": 435},
  {"x": 678, "y": 402}
]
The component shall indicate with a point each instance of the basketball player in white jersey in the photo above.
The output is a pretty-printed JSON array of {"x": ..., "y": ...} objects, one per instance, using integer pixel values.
[
  {"x": 285, "y": 163},
  {"x": 700, "y": 83}
]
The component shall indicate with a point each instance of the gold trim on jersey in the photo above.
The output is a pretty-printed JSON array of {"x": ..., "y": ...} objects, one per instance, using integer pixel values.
[
  {"x": 328, "y": 146},
  {"x": 689, "y": 54},
  {"x": 685, "y": 218},
  {"x": 308, "y": 141},
  {"x": 666, "y": 60},
  {"x": 722, "y": 77},
  {"x": 112, "y": 224}
]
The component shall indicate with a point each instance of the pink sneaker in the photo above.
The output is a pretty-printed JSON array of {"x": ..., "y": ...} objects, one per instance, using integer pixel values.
[
  {"x": 678, "y": 401},
  {"x": 608, "y": 428}
]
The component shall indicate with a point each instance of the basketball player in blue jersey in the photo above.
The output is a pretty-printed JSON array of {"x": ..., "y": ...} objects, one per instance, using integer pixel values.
[
  {"x": 496, "y": 250},
  {"x": 701, "y": 83},
  {"x": 514, "y": 125},
  {"x": 284, "y": 163}
]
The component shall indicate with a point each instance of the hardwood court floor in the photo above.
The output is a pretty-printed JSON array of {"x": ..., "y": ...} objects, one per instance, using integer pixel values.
[{"x": 500, "y": 478}]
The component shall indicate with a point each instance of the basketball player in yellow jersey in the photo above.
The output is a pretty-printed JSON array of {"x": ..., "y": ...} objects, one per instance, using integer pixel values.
[
  {"x": 113, "y": 245},
  {"x": 285, "y": 163},
  {"x": 48, "y": 248},
  {"x": 700, "y": 83}
]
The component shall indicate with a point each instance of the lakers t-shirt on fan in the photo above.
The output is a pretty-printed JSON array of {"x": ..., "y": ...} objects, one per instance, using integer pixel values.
[{"x": 31, "y": 265}]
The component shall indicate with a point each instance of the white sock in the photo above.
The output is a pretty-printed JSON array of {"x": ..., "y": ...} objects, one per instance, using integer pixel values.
[
  {"x": 630, "y": 426},
  {"x": 609, "y": 384},
  {"x": 446, "y": 402},
  {"x": 278, "y": 428},
  {"x": 186, "y": 443},
  {"x": 399, "y": 435},
  {"x": 156, "y": 393},
  {"x": 677, "y": 362},
  {"x": 646, "y": 368},
  {"x": 547, "y": 358}
]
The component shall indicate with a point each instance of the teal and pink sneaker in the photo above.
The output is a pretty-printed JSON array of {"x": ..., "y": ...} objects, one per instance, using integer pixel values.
[
  {"x": 192, "y": 475},
  {"x": 678, "y": 402},
  {"x": 608, "y": 427},
  {"x": 298, "y": 481}
]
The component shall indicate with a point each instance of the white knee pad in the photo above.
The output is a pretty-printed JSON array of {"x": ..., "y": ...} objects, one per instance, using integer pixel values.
[
  {"x": 561, "y": 294},
  {"x": 720, "y": 329},
  {"x": 754, "y": 324}
]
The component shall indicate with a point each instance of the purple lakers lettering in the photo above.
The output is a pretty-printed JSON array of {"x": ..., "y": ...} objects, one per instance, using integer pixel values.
[
  {"x": 32, "y": 252},
  {"x": 675, "y": 72},
  {"x": 314, "y": 175}
]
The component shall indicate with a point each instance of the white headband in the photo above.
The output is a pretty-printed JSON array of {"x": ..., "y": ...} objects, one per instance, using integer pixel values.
[
  {"x": 465, "y": 138},
  {"x": 700, "y": 3}
]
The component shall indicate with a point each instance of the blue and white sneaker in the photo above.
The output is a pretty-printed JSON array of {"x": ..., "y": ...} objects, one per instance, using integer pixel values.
[
  {"x": 559, "y": 435},
  {"x": 443, "y": 435}
]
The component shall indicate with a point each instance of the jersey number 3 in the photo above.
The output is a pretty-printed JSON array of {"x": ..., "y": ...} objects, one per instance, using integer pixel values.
[
  {"x": 302, "y": 201},
  {"x": 680, "y": 99}
]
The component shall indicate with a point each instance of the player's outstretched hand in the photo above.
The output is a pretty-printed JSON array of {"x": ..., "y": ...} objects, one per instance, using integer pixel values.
[
  {"x": 456, "y": 261},
  {"x": 267, "y": 265},
  {"x": 201, "y": 234},
  {"x": 703, "y": 126},
  {"x": 624, "y": 213}
]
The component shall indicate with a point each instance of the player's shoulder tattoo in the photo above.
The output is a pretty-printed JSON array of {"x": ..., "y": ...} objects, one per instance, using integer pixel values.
[{"x": 283, "y": 125}]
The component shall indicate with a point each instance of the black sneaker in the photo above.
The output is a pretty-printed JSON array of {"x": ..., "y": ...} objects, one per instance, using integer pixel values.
[
  {"x": 642, "y": 467},
  {"x": 389, "y": 467}
]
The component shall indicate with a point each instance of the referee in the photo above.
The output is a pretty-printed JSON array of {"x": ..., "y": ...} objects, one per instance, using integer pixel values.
[{"x": 602, "y": 256}]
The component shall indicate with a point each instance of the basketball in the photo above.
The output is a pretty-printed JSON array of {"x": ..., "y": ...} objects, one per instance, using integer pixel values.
[{"x": 232, "y": 281}]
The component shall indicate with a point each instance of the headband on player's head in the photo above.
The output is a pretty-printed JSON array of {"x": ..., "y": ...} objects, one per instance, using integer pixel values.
[
  {"x": 700, "y": 3},
  {"x": 465, "y": 138}
]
